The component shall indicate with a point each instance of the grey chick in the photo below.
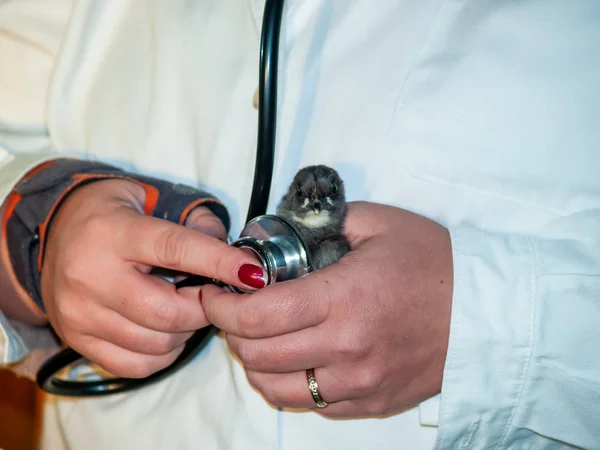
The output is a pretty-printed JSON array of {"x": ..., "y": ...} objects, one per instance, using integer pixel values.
[{"x": 315, "y": 204}]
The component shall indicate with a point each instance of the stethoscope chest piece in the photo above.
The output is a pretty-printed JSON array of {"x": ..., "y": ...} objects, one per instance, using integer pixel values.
[{"x": 277, "y": 246}]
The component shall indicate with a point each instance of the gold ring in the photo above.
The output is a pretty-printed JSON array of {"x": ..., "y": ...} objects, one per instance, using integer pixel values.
[{"x": 314, "y": 388}]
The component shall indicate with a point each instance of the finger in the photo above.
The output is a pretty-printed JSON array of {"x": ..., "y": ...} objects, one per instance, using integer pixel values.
[
  {"x": 290, "y": 390},
  {"x": 121, "y": 362},
  {"x": 275, "y": 310},
  {"x": 202, "y": 219},
  {"x": 352, "y": 409},
  {"x": 366, "y": 219},
  {"x": 283, "y": 354},
  {"x": 378, "y": 405},
  {"x": 362, "y": 220},
  {"x": 159, "y": 243},
  {"x": 135, "y": 338},
  {"x": 154, "y": 303},
  {"x": 192, "y": 293}
]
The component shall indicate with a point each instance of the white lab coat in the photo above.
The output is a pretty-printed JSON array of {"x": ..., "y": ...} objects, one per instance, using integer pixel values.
[{"x": 482, "y": 115}]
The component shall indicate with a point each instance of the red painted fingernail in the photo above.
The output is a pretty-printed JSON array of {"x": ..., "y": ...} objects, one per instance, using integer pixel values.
[
  {"x": 200, "y": 296},
  {"x": 252, "y": 276}
]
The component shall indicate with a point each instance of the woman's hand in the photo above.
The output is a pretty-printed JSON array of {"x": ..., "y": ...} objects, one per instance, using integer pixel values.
[
  {"x": 374, "y": 326},
  {"x": 96, "y": 286}
]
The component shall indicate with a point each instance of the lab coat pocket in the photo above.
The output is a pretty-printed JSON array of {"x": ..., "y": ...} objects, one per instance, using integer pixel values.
[{"x": 504, "y": 100}]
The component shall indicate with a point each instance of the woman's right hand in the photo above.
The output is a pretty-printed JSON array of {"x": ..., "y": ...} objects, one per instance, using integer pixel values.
[{"x": 96, "y": 286}]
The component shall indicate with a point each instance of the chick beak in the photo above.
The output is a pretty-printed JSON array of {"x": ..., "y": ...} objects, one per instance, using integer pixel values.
[{"x": 317, "y": 208}]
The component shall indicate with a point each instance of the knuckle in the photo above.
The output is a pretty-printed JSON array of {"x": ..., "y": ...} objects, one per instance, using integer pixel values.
[
  {"x": 201, "y": 215},
  {"x": 74, "y": 272},
  {"x": 68, "y": 335},
  {"x": 162, "y": 344},
  {"x": 354, "y": 343},
  {"x": 113, "y": 368},
  {"x": 220, "y": 266},
  {"x": 135, "y": 368},
  {"x": 271, "y": 394},
  {"x": 294, "y": 305},
  {"x": 376, "y": 407},
  {"x": 254, "y": 381},
  {"x": 95, "y": 226},
  {"x": 169, "y": 316},
  {"x": 250, "y": 320},
  {"x": 139, "y": 366},
  {"x": 142, "y": 369},
  {"x": 328, "y": 413},
  {"x": 170, "y": 248},
  {"x": 248, "y": 356},
  {"x": 69, "y": 313},
  {"x": 107, "y": 362},
  {"x": 368, "y": 380}
]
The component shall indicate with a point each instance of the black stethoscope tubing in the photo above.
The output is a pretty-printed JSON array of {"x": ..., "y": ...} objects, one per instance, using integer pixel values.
[{"x": 263, "y": 173}]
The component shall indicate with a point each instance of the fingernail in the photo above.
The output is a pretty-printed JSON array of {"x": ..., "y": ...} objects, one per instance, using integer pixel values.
[
  {"x": 200, "y": 296},
  {"x": 252, "y": 276}
]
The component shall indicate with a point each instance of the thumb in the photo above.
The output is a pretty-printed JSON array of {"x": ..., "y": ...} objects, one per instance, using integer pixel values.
[
  {"x": 202, "y": 219},
  {"x": 364, "y": 220}
]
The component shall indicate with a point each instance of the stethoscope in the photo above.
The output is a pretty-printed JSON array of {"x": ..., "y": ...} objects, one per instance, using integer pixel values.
[{"x": 274, "y": 242}]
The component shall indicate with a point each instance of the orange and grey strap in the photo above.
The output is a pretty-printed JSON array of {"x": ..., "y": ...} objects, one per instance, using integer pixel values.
[{"x": 33, "y": 202}]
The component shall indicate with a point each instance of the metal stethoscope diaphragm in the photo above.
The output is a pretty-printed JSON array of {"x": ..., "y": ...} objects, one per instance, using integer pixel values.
[{"x": 277, "y": 246}]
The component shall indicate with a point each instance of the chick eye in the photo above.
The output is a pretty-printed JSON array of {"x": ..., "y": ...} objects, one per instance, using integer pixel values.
[
  {"x": 299, "y": 192},
  {"x": 334, "y": 189}
]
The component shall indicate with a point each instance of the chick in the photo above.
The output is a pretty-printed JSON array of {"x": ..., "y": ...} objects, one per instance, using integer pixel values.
[{"x": 315, "y": 204}]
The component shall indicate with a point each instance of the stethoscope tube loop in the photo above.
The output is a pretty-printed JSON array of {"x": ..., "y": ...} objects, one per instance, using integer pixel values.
[
  {"x": 47, "y": 381},
  {"x": 277, "y": 246}
]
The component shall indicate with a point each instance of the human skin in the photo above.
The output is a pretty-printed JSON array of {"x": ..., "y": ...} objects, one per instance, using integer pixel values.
[
  {"x": 375, "y": 325},
  {"x": 96, "y": 287}
]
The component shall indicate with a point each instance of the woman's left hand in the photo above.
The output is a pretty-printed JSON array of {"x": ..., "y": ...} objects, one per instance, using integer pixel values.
[{"x": 374, "y": 326}]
